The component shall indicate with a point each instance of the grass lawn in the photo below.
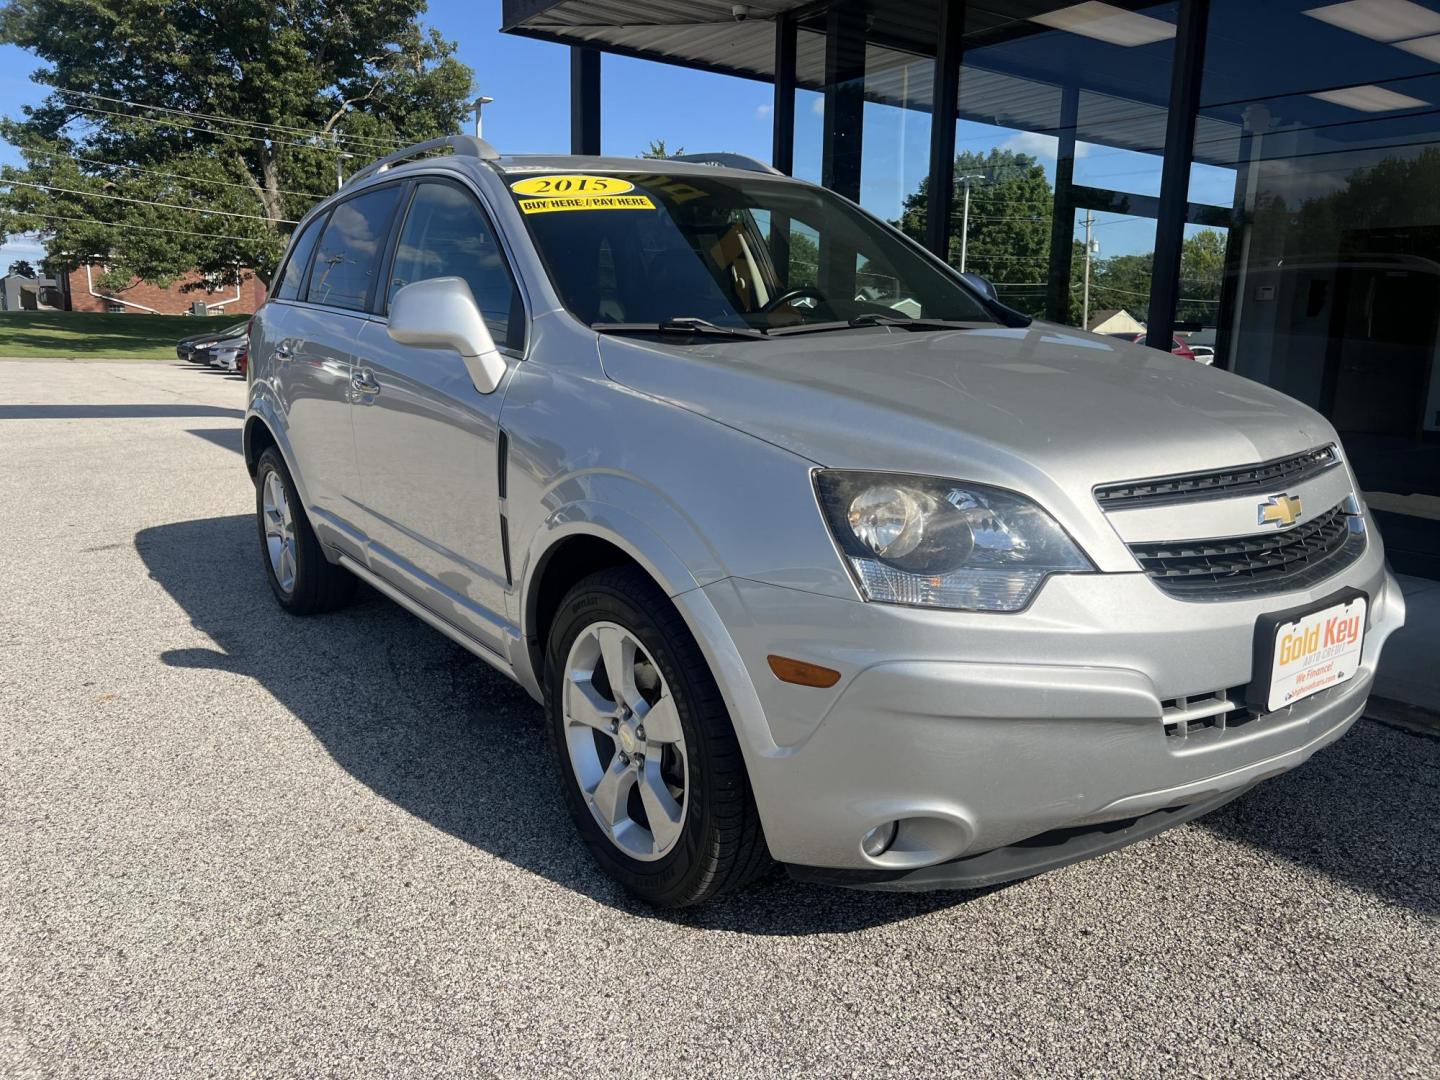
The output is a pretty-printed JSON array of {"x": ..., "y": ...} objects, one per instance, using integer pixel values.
[{"x": 83, "y": 333}]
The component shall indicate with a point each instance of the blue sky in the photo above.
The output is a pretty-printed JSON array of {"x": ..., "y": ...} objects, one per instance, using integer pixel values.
[{"x": 641, "y": 101}]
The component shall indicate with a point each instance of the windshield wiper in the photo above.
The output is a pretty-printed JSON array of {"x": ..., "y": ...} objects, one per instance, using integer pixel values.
[
  {"x": 907, "y": 323},
  {"x": 679, "y": 324},
  {"x": 875, "y": 319}
]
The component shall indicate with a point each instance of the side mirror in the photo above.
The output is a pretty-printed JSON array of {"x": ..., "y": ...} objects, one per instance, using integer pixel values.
[
  {"x": 981, "y": 285},
  {"x": 440, "y": 313}
]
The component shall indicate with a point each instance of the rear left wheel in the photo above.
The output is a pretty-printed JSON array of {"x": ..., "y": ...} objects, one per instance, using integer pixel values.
[{"x": 302, "y": 579}]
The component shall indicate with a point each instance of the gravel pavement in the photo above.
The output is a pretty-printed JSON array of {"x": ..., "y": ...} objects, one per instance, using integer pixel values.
[{"x": 235, "y": 843}]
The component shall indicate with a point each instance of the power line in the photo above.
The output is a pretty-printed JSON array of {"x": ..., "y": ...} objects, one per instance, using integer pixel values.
[
  {"x": 143, "y": 228},
  {"x": 1013, "y": 258},
  {"x": 211, "y": 131},
  {"x": 376, "y": 143},
  {"x": 147, "y": 202},
  {"x": 170, "y": 175},
  {"x": 1132, "y": 292}
]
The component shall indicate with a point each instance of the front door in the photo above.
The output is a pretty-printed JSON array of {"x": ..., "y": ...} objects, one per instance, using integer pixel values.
[{"x": 426, "y": 439}]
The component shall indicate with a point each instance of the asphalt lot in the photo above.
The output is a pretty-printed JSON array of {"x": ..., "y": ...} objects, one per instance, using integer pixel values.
[{"x": 234, "y": 843}]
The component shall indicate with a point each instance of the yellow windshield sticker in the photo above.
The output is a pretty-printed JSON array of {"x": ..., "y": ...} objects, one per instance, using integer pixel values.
[
  {"x": 571, "y": 184},
  {"x": 586, "y": 202}
]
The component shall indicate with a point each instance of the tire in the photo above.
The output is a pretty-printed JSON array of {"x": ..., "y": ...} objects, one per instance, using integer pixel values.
[
  {"x": 304, "y": 582},
  {"x": 719, "y": 846}
]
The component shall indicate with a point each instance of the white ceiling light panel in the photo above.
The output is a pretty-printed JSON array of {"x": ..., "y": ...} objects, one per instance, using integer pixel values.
[{"x": 1109, "y": 24}]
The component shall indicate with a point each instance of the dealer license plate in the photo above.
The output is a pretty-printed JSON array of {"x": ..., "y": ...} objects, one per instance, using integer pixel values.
[{"x": 1316, "y": 651}]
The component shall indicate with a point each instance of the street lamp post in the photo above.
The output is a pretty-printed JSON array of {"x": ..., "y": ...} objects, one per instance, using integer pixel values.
[
  {"x": 965, "y": 217},
  {"x": 475, "y": 106},
  {"x": 340, "y": 158}
]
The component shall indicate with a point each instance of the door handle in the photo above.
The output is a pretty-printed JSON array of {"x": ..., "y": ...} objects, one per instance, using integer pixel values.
[{"x": 363, "y": 381}]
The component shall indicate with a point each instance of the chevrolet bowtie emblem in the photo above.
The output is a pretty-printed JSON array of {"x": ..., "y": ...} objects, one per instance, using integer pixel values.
[{"x": 1279, "y": 510}]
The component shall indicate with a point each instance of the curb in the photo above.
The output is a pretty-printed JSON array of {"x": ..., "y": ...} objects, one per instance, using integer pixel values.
[{"x": 1402, "y": 715}]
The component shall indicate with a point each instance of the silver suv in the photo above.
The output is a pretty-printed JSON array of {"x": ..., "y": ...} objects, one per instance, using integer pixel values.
[{"x": 814, "y": 551}]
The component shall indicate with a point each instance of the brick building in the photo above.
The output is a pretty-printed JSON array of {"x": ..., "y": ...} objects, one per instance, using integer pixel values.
[{"x": 83, "y": 292}]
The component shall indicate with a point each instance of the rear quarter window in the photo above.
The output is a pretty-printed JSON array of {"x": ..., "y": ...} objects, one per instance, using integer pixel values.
[
  {"x": 347, "y": 259},
  {"x": 293, "y": 276}
]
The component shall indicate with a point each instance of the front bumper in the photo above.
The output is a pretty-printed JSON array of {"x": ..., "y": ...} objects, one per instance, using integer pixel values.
[
  {"x": 1048, "y": 851},
  {"x": 980, "y": 731}
]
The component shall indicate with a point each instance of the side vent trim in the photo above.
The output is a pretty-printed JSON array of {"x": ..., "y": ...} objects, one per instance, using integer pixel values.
[{"x": 502, "y": 461}]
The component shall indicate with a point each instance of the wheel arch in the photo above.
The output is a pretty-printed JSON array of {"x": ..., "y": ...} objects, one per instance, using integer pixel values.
[
  {"x": 257, "y": 439},
  {"x": 262, "y": 431},
  {"x": 575, "y": 545}
]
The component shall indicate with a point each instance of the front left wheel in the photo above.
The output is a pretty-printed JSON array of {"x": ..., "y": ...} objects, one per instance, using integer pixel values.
[
  {"x": 302, "y": 579},
  {"x": 649, "y": 761}
]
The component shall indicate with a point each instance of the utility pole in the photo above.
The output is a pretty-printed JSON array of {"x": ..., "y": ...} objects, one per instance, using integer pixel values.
[
  {"x": 965, "y": 217},
  {"x": 476, "y": 105},
  {"x": 1085, "y": 294}
]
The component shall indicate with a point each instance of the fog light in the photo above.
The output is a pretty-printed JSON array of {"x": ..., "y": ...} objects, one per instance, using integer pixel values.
[{"x": 878, "y": 840}]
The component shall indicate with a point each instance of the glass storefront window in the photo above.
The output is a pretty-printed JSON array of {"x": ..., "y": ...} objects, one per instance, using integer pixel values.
[
  {"x": 895, "y": 156},
  {"x": 1122, "y": 248},
  {"x": 1331, "y": 287},
  {"x": 809, "y": 134}
]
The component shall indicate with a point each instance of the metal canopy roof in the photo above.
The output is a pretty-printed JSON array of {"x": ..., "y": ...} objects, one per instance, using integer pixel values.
[{"x": 1002, "y": 87}]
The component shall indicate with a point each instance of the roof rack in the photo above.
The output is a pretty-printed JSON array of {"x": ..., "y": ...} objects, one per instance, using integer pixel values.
[
  {"x": 462, "y": 145},
  {"x": 729, "y": 161}
]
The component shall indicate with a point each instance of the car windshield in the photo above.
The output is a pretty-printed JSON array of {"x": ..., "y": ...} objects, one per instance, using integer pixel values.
[{"x": 636, "y": 249}]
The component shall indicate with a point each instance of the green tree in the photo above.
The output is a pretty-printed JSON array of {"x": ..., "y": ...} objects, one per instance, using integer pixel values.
[
  {"x": 235, "y": 108},
  {"x": 657, "y": 149},
  {"x": 1124, "y": 281},
  {"x": 1202, "y": 273},
  {"x": 22, "y": 268},
  {"x": 1009, "y": 231}
]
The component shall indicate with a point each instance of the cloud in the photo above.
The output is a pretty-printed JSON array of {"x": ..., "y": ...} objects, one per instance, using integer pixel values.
[
  {"x": 762, "y": 112},
  {"x": 20, "y": 246},
  {"x": 1040, "y": 146},
  {"x": 818, "y": 105}
]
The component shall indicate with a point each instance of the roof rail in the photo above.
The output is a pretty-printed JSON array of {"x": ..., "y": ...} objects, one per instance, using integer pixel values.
[
  {"x": 729, "y": 161},
  {"x": 463, "y": 145}
]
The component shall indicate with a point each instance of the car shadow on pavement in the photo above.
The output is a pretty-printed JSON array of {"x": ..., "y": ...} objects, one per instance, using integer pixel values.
[
  {"x": 424, "y": 724},
  {"x": 1364, "y": 811},
  {"x": 115, "y": 412},
  {"x": 229, "y": 438},
  {"x": 429, "y": 727}
]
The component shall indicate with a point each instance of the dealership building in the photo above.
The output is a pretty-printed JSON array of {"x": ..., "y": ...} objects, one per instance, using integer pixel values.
[{"x": 1304, "y": 135}]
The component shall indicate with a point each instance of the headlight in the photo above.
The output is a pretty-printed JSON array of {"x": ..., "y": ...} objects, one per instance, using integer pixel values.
[{"x": 943, "y": 543}]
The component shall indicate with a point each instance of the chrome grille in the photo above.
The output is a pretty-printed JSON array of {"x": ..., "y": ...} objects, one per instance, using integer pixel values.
[
  {"x": 1258, "y": 563},
  {"x": 1218, "y": 483}
]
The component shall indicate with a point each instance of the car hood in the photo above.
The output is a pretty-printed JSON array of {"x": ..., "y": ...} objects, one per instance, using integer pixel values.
[{"x": 1033, "y": 408}]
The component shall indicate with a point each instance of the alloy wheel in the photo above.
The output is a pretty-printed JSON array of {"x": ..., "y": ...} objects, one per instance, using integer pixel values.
[
  {"x": 279, "y": 531},
  {"x": 625, "y": 741}
]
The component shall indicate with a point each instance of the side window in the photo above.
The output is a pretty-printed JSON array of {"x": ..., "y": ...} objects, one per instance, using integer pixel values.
[
  {"x": 447, "y": 235},
  {"x": 348, "y": 256},
  {"x": 294, "y": 273}
]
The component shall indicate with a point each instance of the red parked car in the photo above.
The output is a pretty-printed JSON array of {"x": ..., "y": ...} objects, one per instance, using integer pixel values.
[{"x": 1178, "y": 347}]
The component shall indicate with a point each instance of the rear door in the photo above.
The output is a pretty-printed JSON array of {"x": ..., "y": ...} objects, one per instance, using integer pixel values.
[
  {"x": 426, "y": 439},
  {"x": 314, "y": 357}
]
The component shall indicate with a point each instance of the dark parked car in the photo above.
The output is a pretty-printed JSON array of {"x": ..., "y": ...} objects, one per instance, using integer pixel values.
[{"x": 189, "y": 348}]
